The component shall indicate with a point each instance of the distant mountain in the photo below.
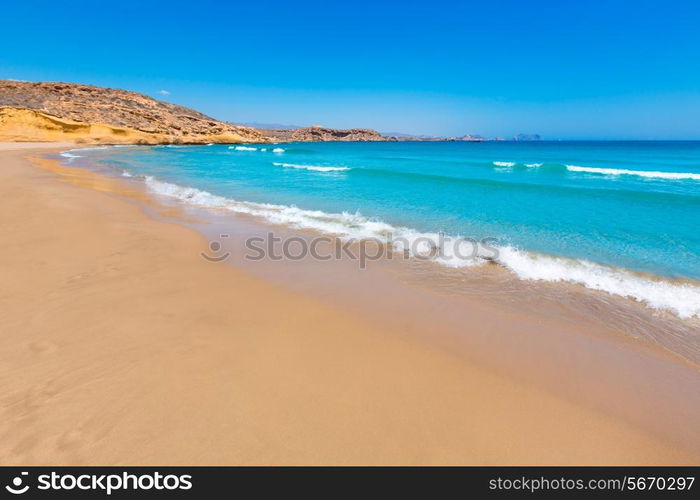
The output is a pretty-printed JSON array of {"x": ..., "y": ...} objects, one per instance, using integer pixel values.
[
  {"x": 466, "y": 137},
  {"x": 317, "y": 133},
  {"x": 401, "y": 135},
  {"x": 272, "y": 126}
]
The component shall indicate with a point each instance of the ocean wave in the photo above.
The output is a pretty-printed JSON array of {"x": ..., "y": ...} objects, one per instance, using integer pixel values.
[
  {"x": 93, "y": 148},
  {"x": 315, "y": 168},
  {"x": 682, "y": 299},
  {"x": 640, "y": 173},
  {"x": 69, "y": 155},
  {"x": 533, "y": 165},
  {"x": 504, "y": 163},
  {"x": 250, "y": 148},
  {"x": 457, "y": 252}
]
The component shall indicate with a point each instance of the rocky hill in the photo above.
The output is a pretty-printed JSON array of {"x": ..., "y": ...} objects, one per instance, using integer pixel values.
[
  {"x": 54, "y": 111},
  {"x": 47, "y": 111},
  {"x": 324, "y": 134}
]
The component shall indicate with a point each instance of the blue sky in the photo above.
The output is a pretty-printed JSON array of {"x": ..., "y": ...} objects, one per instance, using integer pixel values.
[{"x": 615, "y": 69}]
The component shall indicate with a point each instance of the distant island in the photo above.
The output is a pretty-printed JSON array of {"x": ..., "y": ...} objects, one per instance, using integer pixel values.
[{"x": 56, "y": 111}]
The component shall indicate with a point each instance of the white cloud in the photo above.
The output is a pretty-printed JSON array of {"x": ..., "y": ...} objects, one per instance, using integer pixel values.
[{"x": 163, "y": 92}]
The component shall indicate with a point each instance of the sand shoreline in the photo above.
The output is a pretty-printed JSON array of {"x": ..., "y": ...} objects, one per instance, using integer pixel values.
[{"x": 122, "y": 346}]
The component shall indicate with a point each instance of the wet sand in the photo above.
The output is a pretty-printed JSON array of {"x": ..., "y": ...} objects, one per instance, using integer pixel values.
[{"x": 121, "y": 345}]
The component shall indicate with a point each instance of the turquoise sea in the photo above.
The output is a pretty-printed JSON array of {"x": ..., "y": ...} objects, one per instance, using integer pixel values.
[{"x": 619, "y": 217}]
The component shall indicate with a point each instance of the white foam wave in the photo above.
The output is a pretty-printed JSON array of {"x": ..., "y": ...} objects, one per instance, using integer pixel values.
[
  {"x": 457, "y": 252},
  {"x": 250, "y": 148},
  {"x": 504, "y": 163},
  {"x": 640, "y": 173},
  {"x": 680, "y": 298},
  {"x": 94, "y": 148},
  {"x": 69, "y": 155},
  {"x": 315, "y": 168},
  {"x": 533, "y": 165}
]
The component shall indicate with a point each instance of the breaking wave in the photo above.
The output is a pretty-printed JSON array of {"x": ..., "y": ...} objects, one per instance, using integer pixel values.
[
  {"x": 69, "y": 155},
  {"x": 680, "y": 298},
  {"x": 315, "y": 168},
  {"x": 251, "y": 148},
  {"x": 640, "y": 173}
]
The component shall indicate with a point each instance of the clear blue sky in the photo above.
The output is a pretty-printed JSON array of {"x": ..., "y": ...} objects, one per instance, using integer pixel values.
[{"x": 564, "y": 69}]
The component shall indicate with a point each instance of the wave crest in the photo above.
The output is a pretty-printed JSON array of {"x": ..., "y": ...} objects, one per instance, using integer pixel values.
[
  {"x": 640, "y": 173},
  {"x": 683, "y": 299},
  {"x": 315, "y": 168}
]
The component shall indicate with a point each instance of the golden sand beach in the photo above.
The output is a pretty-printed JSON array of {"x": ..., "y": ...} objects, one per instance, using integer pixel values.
[{"x": 122, "y": 346}]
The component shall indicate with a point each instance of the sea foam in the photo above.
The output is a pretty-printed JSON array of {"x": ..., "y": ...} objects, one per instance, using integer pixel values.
[
  {"x": 250, "y": 148},
  {"x": 315, "y": 168},
  {"x": 640, "y": 173},
  {"x": 457, "y": 252},
  {"x": 683, "y": 299},
  {"x": 69, "y": 155}
]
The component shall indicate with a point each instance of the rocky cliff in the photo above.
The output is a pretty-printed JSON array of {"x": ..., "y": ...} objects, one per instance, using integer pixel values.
[{"x": 46, "y": 111}]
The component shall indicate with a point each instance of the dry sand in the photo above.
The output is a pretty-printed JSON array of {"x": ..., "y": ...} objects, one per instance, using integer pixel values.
[{"x": 120, "y": 345}]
